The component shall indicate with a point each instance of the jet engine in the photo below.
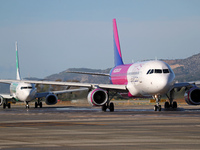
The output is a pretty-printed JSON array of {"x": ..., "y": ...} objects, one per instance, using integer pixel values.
[
  {"x": 192, "y": 96},
  {"x": 97, "y": 97},
  {"x": 1, "y": 100},
  {"x": 51, "y": 99}
]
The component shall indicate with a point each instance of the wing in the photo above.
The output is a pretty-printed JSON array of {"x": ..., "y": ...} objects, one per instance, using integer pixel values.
[
  {"x": 186, "y": 84},
  {"x": 73, "y": 84},
  {"x": 70, "y": 90},
  {"x": 44, "y": 94},
  {"x": 6, "y": 96}
]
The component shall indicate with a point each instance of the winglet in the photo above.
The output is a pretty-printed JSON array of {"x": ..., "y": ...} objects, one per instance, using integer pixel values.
[
  {"x": 117, "y": 49},
  {"x": 18, "y": 77}
]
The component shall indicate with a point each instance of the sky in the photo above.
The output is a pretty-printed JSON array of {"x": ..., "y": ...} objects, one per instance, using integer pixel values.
[{"x": 54, "y": 35}]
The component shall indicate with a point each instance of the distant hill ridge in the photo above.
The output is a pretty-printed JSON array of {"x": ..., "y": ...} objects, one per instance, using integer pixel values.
[{"x": 187, "y": 69}]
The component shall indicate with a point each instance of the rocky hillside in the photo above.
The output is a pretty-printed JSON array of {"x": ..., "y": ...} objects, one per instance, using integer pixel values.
[{"x": 185, "y": 70}]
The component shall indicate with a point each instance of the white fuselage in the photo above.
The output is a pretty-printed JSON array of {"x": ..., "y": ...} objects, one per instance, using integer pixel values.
[
  {"x": 23, "y": 91},
  {"x": 147, "y": 78}
]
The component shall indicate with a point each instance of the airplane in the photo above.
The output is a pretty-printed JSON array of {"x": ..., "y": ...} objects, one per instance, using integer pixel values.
[
  {"x": 153, "y": 78},
  {"x": 27, "y": 92}
]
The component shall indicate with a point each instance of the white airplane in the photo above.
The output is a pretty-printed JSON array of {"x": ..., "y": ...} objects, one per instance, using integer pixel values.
[
  {"x": 141, "y": 79},
  {"x": 27, "y": 92}
]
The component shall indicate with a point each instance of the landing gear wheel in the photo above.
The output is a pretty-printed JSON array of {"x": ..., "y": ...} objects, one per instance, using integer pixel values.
[
  {"x": 27, "y": 106},
  {"x": 36, "y": 104},
  {"x": 174, "y": 105},
  {"x": 104, "y": 107},
  {"x": 40, "y": 104},
  {"x": 155, "y": 107},
  {"x": 111, "y": 107},
  {"x": 9, "y": 105},
  {"x": 167, "y": 105},
  {"x": 159, "y": 108},
  {"x": 4, "y": 105}
]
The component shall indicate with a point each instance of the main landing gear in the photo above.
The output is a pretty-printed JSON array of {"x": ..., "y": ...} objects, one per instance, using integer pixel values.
[
  {"x": 6, "y": 104},
  {"x": 38, "y": 103},
  {"x": 171, "y": 103},
  {"x": 108, "y": 104}
]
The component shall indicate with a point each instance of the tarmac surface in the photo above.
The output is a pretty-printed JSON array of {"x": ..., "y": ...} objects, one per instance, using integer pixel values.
[{"x": 88, "y": 128}]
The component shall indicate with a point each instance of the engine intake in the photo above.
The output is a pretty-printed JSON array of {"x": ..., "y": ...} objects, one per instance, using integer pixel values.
[
  {"x": 98, "y": 97},
  {"x": 51, "y": 99},
  {"x": 192, "y": 96}
]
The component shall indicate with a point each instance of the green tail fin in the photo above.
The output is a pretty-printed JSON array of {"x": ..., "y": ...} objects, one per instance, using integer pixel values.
[{"x": 18, "y": 77}]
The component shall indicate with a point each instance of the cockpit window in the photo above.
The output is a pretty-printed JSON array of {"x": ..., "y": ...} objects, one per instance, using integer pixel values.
[
  {"x": 29, "y": 87},
  {"x": 158, "y": 71},
  {"x": 165, "y": 70},
  {"x": 148, "y": 71},
  {"x": 151, "y": 71}
]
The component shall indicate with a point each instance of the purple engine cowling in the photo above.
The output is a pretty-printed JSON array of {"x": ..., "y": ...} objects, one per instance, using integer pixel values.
[
  {"x": 192, "y": 96},
  {"x": 97, "y": 97}
]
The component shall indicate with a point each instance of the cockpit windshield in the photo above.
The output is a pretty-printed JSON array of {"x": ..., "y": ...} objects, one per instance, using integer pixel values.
[
  {"x": 158, "y": 71},
  {"x": 29, "y": 87}
]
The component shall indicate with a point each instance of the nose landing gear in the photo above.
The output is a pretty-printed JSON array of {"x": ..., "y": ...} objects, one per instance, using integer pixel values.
[{"x": 157, "y": 107}]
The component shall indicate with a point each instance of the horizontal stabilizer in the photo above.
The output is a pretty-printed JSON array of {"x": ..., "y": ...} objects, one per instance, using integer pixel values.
[{"x": 89, "y": 73}]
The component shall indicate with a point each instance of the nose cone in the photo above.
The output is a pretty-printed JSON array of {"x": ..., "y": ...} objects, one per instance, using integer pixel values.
[
  {"x": 27, "y": 95},
  {"x": 159, "y": 84},
  {"x": 163, "y": 84}
]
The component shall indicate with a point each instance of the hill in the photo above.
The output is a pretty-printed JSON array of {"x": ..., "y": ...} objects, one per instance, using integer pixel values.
[{"x": 185, "y": 70}]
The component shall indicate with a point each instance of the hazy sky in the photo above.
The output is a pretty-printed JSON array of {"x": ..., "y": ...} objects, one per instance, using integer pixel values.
[{"x": 54, "y": 35}]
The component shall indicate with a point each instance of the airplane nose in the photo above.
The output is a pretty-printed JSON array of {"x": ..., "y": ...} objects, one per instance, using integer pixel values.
[
  {"x": 164, "y": 84},
  {"x": 28, "y": 95}
]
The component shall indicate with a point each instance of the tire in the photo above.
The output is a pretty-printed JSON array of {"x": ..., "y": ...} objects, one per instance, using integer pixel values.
[
  {"x": 159, "y": 108},
  {"x": 36, "y": 104},
  {"x": 174, "y": 105},
  {"x": 9, "y": 105},
  {"x": 167, "y": 105},
  {"x": 155, "y": 108},
  {"x": 104, "y": 107},
  {"x": 40, "y": 104},
  {"x": 4, "y": 105},
  {"x": 112, "y": 107}
]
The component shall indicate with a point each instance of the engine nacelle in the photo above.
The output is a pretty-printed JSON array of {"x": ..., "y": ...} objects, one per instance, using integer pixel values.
[
  {"x": 192, "y": 96},
  {"x": 51, "y": 99},
  {"x": 97, "y": 97},
  {"x": 1, "y": 100}
]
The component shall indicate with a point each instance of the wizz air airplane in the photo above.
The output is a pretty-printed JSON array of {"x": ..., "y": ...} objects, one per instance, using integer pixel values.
[
  {"x": 27, "y": 92},
  {"x": 142, "y": 79}
]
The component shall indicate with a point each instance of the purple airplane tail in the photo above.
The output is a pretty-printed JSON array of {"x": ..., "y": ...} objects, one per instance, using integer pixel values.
[{"x": 117, "y": 49}]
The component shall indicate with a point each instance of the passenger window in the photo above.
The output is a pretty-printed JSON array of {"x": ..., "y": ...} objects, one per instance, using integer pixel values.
[{"x": 158, "y": 71}]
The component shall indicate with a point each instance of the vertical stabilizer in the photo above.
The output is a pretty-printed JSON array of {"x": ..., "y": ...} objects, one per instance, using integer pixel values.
[
  {"x": 117, "y": 49},
  {"x": 18, "y": 77}
]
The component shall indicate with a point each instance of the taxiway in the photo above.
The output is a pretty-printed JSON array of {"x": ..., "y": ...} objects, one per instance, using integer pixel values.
[{"x": 83, "y": 128}]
